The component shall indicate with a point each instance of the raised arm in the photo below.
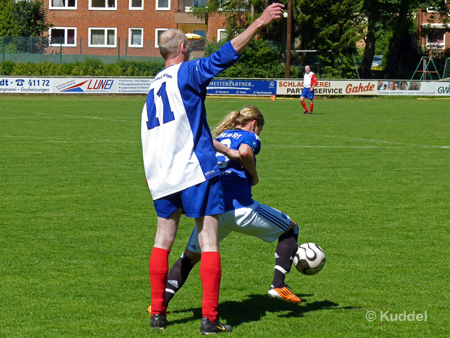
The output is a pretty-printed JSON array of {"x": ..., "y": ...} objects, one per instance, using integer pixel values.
[
  {"x": 271, "y": 13},
  {"x": 248, "y": 161}
]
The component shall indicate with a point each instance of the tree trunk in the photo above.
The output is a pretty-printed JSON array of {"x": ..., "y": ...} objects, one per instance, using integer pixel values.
[
  {"x": 369, "y": 52},
  {"x": 400, "y": 34},
  {"x": 372, "y": 10}
]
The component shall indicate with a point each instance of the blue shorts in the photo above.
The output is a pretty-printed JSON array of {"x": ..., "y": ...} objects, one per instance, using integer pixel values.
[
  {"x": 308, "y": 93},
  {"x": 204, "y": 199}
]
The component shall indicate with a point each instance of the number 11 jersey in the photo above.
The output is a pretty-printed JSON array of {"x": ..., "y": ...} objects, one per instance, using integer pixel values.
[{"x": 177, "y": 145}]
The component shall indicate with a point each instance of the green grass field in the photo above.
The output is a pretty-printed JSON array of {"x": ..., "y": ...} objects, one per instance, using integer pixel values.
[{"x": 367, "y": 179}]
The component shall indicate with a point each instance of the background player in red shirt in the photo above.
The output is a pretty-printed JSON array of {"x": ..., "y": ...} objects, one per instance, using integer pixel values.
[{"x": 310, "y": 80}]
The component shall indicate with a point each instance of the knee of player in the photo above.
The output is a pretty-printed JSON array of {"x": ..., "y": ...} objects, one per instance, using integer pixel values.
[{"x": 193, "y": 256}]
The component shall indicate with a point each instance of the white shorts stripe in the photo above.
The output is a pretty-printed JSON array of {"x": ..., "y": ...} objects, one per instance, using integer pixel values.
[
  {"x": 272, "y": 218},
  {"x": 257, "y": 220}
]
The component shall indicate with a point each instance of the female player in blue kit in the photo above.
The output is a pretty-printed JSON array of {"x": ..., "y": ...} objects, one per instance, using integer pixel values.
[{"x": 240, "y": 131}]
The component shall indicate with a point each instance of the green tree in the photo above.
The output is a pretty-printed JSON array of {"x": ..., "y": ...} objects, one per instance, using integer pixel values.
[
  {"x": 321, "y": 25},
  {"x": 260, "y": 59},
  {"x": 396, "y": 19},
  {"x": 333, "y": 27},
  {"x": 6, "y": 18},
  {"x": 29, "y": 18}
]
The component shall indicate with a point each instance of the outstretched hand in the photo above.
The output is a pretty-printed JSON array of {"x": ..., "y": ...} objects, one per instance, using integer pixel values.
[{"x": 271, "y": 13}]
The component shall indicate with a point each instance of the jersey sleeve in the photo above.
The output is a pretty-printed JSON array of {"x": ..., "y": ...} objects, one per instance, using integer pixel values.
[
  {"x": 313, "y": 80},
  {"x": 253, "y": 141},
  {"x": 205, "y": 69}
]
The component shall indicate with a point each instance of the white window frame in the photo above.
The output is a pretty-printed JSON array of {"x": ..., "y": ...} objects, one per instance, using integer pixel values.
[
  {"x": 162, "y": 8},
  {"x": 435, "y": 26},
  {"x": 106, "y": 29},
  {"x": 64, "y": 44},
  {"x": 156, "y": 35},
  {"x": 129, "y": 38},
  {"x": 65, "y": 7},
  {"x": 220, "y": 30},
  {"x": 103, "y": 8},
  {"x": 433, "y": 9},
  {"x": 136, "y": 8}
]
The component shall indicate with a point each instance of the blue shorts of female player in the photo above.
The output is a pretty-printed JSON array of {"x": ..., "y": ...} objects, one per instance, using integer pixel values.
[{"x": 308, "y": 93}]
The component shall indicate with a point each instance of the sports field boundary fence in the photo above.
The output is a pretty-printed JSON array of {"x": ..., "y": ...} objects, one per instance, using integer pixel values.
[
  {"x": 222, "y": 86},
  {"x": 43, "y": 49}
]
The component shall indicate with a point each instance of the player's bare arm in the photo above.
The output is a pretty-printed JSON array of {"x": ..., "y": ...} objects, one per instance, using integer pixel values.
[
  {"x": 270, "y": 14},
  {"x": 228, "y": 152},
  {"x": 248, "y": 161}
]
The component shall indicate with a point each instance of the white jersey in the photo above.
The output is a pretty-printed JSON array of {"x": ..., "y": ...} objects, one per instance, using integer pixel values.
[
  {"x": 308, "y": 79},
  {"x": 176, "y": 141}
]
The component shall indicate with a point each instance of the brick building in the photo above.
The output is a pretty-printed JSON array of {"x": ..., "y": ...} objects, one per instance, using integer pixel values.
[
  {"x": 432, "y": 31},
  {"x": 124, "y": 27}
]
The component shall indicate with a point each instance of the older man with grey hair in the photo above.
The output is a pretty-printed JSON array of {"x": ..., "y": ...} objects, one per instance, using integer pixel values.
[{"x": 180, "y": 162}]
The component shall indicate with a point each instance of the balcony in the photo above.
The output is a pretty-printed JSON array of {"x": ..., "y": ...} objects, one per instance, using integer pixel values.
[{"x": 184, "y": 16}]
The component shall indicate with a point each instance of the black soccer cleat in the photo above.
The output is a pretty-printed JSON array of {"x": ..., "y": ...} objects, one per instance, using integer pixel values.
[
  {"x": 305, "y": 112},
  {"x": 158, "y": 321},
  {"x": 208, "y": 327}
]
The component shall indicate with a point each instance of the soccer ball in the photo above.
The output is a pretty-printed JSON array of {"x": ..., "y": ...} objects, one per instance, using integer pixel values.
[{"x": 309, "y": 259}]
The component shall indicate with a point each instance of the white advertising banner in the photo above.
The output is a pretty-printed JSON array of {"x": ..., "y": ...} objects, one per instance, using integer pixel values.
[
  {"x": 102, "y": 85},
  {"x": 292, "y": 87},
  {"x": 405, "y": 88},
  {"x": 437, "y": 88},
  {"x": 425, "y": 88},
  {"x": 119, "y": 85},
  {"x": 23, "y": 85}
]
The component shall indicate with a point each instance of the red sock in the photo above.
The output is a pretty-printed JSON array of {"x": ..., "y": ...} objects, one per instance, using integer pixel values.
[
  {"x": 311, "y": 107},
  {"x": 159, "y": 267},
  {"x": 304, "y": 105},
  {"x": 210, "y": 273}
]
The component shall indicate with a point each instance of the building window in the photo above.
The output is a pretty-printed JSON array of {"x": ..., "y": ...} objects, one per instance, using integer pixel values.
[
  {"x": 436, "y": 38},
  {"x": 158, "y": 32},
  {"x": 199, "y": 44},
  {"x": 163, "y": 5},
  {"x": 135, "y": 37},
  {"x": 199, "y": 3},
  {"x": 221, "y": 34},
  {"x": 136, "y": 5},
  {"x": 435, "y": 34},
  {"x": 102, "y": 4},
  {"x": 102, "y": 37},
  {"x": 63, "y": 4},
  {"x": 67, "y": 37}
]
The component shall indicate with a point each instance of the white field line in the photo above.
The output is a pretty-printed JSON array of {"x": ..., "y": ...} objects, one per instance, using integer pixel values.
[
  {"x": 64, "y": 140},
  {"x": 396, "y": 144},
  {"x": 387, "y": 144},
  {"x": 354, "y": 147},
  {"x": 118, "y": 119}
]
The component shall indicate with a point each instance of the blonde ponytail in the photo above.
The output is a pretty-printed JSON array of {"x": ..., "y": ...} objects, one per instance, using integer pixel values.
[{"x": 231, "y": 120}]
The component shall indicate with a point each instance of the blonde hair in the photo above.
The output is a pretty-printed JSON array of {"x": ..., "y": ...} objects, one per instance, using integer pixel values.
[
  {"x": 241, "y": 117},
  {"x": 170, "y": 41}
]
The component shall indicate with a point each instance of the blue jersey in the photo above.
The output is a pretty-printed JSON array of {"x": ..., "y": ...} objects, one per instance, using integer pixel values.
[
  {"x": 235, "y": 180},
  {"x": 176, "y": 141}
]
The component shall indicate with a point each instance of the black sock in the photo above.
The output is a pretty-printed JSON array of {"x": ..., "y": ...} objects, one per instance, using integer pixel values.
[
  {"x": 284, "y": 253},
  {"x": 178, "y": 274}
]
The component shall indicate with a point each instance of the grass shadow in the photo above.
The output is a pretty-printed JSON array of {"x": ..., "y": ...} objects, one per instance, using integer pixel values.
[{"x": 256, "y": 306}]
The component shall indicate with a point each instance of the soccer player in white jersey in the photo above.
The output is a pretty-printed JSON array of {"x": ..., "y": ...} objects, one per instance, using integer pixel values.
[
  {"x": 180, "y": 163},
  {"x": 309, "y": 82},
  {"x": 240, "y": 132}
]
